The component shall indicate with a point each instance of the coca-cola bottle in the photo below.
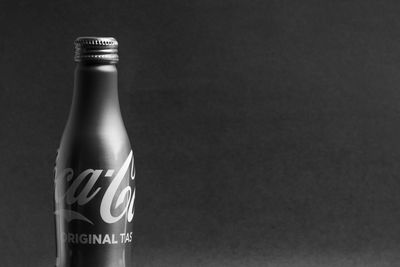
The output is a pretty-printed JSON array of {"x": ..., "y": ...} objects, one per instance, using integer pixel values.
[{"x": 94, "y": 171}]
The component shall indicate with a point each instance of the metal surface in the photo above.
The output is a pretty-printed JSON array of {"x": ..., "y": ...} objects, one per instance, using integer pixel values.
[
  {"x": 96, "y": 49},
  {"x": 94, "y": 174}
]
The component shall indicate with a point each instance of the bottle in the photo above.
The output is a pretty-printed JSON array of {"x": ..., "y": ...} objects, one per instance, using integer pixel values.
[{"x": 94, "y": 170}]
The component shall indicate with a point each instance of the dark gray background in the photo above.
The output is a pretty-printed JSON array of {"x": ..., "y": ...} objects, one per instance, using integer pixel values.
[{"x": 266, "y": 133}]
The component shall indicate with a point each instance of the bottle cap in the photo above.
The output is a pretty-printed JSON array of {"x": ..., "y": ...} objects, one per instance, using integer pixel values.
[{"x": 96, "y": 49}]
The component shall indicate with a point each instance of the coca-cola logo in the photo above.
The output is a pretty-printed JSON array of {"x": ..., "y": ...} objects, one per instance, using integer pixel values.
[{"x": 81, "y": 190}]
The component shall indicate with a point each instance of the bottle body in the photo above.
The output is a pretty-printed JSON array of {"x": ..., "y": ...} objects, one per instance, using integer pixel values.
[{"x": 94, "y": 176}]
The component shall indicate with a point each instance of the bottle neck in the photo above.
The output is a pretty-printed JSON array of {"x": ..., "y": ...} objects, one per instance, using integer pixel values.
[{"x": 95, "y": 91}]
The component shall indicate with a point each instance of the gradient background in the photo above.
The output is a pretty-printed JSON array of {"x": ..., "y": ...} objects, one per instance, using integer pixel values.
[{"x": 266, "y": 133}]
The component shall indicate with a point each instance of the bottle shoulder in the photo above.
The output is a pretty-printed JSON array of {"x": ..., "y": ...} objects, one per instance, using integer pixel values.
[{"x": 105, "y": 145}]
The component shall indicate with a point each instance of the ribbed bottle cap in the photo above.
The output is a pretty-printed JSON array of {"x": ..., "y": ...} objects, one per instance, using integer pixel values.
[{"x": 96, "y": 49}]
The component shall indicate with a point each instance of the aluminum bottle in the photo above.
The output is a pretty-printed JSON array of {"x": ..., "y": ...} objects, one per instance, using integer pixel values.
[{"x": 94, "y": 170}]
